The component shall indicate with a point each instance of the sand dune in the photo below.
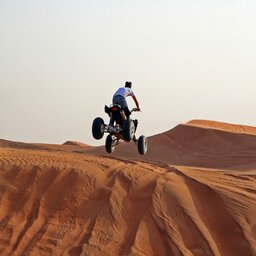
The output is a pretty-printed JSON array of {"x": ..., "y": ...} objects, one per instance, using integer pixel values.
[
  {"x": 193, "y": 194},
  {"x": 75, "y": 143},
  {"x": 67, "y": 146},
  {"x": 194, "y": 146}
]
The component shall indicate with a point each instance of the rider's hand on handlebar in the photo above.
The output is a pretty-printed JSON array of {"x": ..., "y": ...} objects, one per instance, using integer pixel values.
[{"x": 136, "y": 109}]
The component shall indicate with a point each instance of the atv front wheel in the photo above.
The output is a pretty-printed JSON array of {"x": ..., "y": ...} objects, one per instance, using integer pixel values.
[
  {"x": 128, "y": 130},
  {"x": 142, "y": 145},
  {"x": 98, "y": 127},
  {"x": 110, "y": 144}
]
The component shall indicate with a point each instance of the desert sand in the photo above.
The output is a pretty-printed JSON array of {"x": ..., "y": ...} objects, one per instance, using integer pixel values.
[{"x": 194, "y": 193}]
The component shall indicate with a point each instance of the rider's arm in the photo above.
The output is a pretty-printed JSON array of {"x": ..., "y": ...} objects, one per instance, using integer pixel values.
[{"x": 136, "y": 102}]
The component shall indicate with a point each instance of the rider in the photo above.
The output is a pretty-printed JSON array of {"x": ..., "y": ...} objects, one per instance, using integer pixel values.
[{"x": 120, "y": 97}]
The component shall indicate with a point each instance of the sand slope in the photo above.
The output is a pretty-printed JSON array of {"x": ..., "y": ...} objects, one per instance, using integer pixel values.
[
  {"x": 194, "y": 146},
  {"x": 64, "y": 202}
]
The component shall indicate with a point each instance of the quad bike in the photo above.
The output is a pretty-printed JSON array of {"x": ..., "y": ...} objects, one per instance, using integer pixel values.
[{"x": 120, "y": 128}]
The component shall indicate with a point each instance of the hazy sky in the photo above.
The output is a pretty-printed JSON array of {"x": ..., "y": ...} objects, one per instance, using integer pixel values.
[{"x": 61, "y": 61}]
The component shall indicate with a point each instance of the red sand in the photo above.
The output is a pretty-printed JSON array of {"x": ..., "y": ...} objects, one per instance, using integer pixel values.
[{"x": 193, "y": 194}]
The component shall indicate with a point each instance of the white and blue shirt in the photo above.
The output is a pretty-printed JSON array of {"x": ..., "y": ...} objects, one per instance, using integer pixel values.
[{"x": 124, "y": 91}]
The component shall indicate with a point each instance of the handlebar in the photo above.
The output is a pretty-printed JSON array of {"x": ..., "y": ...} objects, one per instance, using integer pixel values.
[{"x": 135, "y": 110}]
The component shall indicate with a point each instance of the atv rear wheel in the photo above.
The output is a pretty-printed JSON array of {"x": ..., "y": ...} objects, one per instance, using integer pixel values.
[
  {"x": 128, "y": 130},
  {"x": 142, "y": 145},
  {"x": 98, "y": 127},
  {"x": 110, "y": 144}
]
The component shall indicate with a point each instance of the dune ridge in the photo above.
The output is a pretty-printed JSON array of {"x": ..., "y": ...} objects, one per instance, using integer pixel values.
[
  {"x": 66, "y": 146},
  {"x": 234, "y": 128},
  {"x": 75, "y": 143},
  {"x": 77, "y": 202}
]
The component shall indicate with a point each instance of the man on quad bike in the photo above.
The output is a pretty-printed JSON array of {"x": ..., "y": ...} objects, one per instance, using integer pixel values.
[
  {"x": 120, "y": 127},
  {"x": 120, "y": 98}
]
